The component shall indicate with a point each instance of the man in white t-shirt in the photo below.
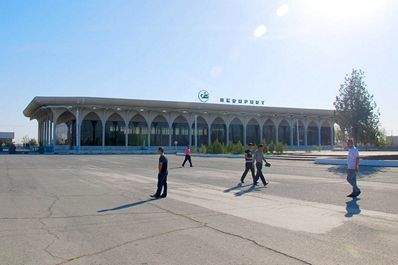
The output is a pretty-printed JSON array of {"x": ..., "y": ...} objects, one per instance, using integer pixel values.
[{"x": 352, "y": 168}]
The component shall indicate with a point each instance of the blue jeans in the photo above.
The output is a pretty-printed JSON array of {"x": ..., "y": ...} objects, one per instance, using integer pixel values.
[{"x": 352, "y": 179}]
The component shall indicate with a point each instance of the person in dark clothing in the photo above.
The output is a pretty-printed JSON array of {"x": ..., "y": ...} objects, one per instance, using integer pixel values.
[
  {"x": 248, "y": 164},
  {"x": 162, "y": 175},
  {"x": 187, "y": 156},
  {"x": 259, "y": 158}
]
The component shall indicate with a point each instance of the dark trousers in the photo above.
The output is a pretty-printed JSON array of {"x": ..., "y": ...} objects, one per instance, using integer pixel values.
[
  {"x": 248, "y": 166},
  {"x": 187, "y": 158},
  {"x": 352, "y": 179},
  {"x": 162, "y": 183},
  {"x": 259, "y": 173}
]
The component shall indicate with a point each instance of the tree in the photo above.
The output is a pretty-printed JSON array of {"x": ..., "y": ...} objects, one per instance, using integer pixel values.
[{"x": 356, "y": 111}]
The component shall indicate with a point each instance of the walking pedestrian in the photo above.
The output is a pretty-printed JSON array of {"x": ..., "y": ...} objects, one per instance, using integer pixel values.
[
  {"x": 259, "y": 158},
  {"x": 352, "y": 168},
  {"x": 248, "y": 164},
  {"x": 187, "y": 156},
  {"x": 162, "y": 175}
]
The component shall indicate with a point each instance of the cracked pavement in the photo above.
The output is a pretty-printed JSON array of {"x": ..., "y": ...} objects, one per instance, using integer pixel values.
[{"x": 92, "y": 209}]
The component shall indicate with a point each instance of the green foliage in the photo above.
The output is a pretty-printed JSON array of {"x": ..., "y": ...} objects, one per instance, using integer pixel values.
[
  {"x": 235, "y": 148},
  {"x": 33, "y": 142},
  {"x": 271, "y": 147},
  {"x": 26, "y": 141},
  {"x": 203, "y": 149},
  {"x": 279, "y": 148},
  {"x": 356, "y": 111},
  {"x": 215, "y": 148}
]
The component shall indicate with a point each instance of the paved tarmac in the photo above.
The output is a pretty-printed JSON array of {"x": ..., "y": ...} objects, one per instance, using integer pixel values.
[{"x": 87, "y": 209}]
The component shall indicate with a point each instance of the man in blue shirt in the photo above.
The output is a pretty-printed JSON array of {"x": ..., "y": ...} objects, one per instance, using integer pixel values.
[
  {"x": 248, "y": 164},
  {"x": 162, "y": 175}
]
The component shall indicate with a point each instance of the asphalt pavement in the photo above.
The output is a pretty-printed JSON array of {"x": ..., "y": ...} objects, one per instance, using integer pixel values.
[{"x": 96, "y": 209}]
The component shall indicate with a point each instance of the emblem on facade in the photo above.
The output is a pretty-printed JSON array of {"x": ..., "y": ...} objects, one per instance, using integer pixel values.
[{"x": 203, "y": 96}]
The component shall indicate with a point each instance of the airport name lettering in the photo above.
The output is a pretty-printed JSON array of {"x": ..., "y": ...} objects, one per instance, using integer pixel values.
[{"x": 241, "y": 101}]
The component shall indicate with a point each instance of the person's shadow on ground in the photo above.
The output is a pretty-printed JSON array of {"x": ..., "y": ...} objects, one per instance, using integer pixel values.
[
  {"x": 127, "y": 205},
  {"x": 364, "y": 171},
  {"x": 352, "y": 207},
  {"x": 243, "y": 192},
  {"x": 237, "y": 186}
]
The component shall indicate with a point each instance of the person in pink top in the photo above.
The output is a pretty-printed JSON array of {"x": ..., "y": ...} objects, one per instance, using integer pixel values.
[{"x": 187, "y": 156}]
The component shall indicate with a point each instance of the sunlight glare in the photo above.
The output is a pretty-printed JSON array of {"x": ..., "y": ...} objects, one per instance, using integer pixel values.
[
  {"x": 282, "y": 10},
  {"x": 260, "y": 31}
]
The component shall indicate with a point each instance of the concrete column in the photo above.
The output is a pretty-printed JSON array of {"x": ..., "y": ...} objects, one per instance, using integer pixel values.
[
  {"x": 38, "y": 132},
  {"x": 126, "y": 134},
  {"x": 291, "y": 135},
  {"x": 170, "y": 135},
  {"x": 45, "y": 133},
  {"x": 209, "y": 134},
  {"x": 319, "y": 135},
  {"x": 196, "y": 132},
  {"x": 227, "y": 138},
  {"x": 190, "y": 135},
  {"x": 78, "y": 132},
  {"x": 103, "y": 133},
  {"x": 261, "y": 134},
  {"x": 332, "y": 135},
  {"x": 305, "y": 136},
  {"x": 54, "y": 129},
  {"x": 149, "y": 134},
  {"x": 244, "y": 134},
  {"x": 277, "y": 134}
]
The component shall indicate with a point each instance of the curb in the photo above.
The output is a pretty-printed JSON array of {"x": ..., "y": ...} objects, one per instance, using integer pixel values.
[{"x": 373, "y": 163}]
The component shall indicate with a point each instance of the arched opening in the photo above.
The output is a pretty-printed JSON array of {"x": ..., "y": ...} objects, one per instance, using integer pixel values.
[
  {"x": 180, "y": 129},
  {"x": 326, "y": 134},
  {"x": 312, "y": 134},
  {"x": 236, "y": 131},
  {"x": 284, "y": 132},
  {"x": 114, "y": 131},
  {"x": 91, "y": 130},
  {"x": 202, "y": 132},
  {"x": 138, "y": 131},
  {"x": 218, "y": 131},
  {"x": 159, "y": 132},
  {"x": 269, "y": 131},
  {"x": 66, "y": 129},
  {"x": 301, "y": 133},
  {"x": 253, "y": 132}
]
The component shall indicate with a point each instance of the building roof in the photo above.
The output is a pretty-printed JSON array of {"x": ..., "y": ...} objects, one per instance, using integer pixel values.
[{"x": 71, "y": 102}]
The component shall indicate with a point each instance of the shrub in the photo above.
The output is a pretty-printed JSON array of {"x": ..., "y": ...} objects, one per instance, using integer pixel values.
[
  {"x": 238, "y": 148},
  {"x": 271, "y": 147},
  {"x": 203, "y": 149},
  {"x": 215, "y": 148},
  {"x": 279, "y": 147}
]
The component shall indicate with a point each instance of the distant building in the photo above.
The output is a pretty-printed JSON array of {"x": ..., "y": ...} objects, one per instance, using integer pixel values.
[
  {"x": 6, "y": 137},
  {"x": 392, "y": 140},
  {"x": 110, "y": 124}
]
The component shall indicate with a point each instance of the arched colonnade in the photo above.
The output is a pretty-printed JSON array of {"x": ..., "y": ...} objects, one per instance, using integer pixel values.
[{"x": 93, "y": 127}]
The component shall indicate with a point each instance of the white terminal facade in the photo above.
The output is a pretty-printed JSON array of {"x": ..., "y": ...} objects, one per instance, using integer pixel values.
[{"x": 88, "y": 124}]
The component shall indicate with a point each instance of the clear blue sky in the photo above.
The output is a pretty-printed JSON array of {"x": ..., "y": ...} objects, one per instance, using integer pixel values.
[{"x": 288, "y": 53}]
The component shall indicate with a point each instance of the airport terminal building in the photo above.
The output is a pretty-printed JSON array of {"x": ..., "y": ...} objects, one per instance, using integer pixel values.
[{"x": 88, "y": 124}]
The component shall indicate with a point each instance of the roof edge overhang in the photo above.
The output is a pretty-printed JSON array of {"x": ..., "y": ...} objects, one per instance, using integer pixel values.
[{"x": 39, "y": 102}]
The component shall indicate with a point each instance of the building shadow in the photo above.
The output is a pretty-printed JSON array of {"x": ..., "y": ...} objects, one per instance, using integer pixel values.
[
  {"x": 364, "y": 171},
  {"x": 352, "y": 208},
  {"x": 243, "y": 192},
  {"x": 121, "y": 207},
  {"x": 237, "y": 186}
]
